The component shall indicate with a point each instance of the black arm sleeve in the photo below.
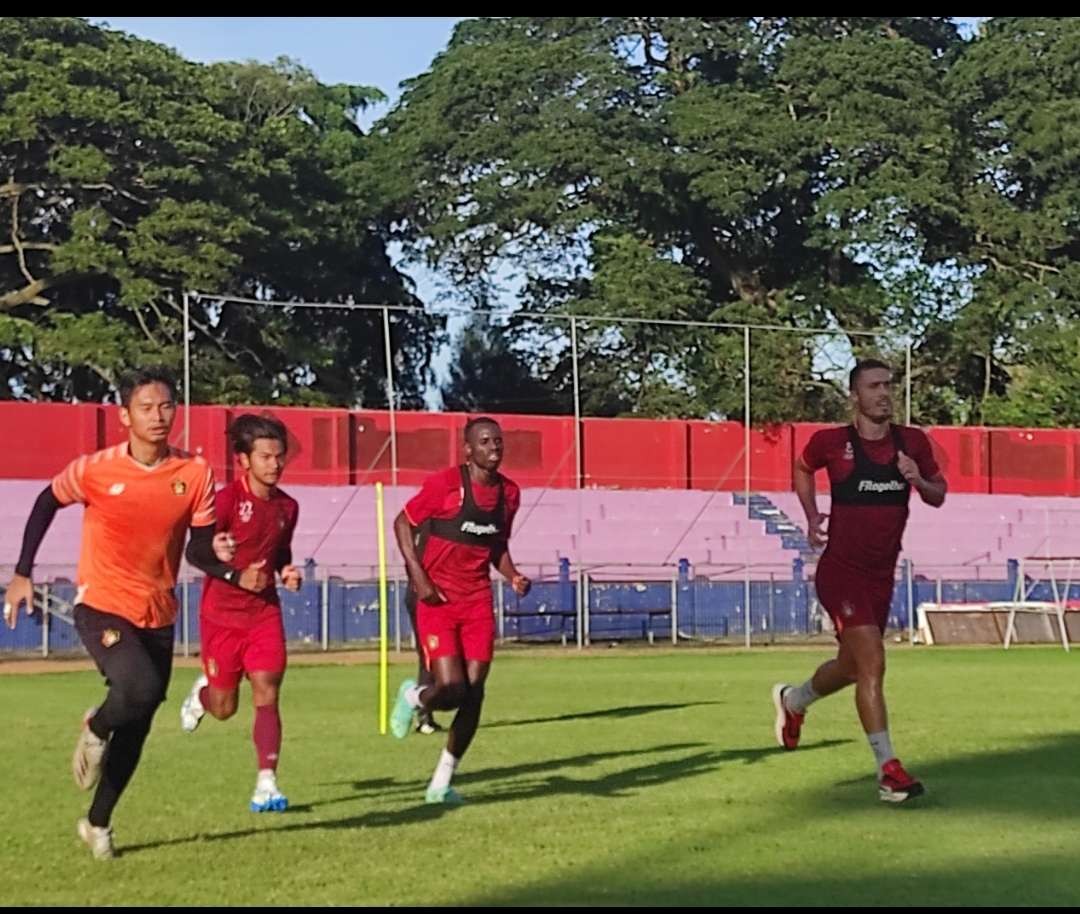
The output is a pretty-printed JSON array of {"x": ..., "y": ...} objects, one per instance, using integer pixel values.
[
  {"x": 200, "y": 553},
  {"x": 37, "y": 525}
]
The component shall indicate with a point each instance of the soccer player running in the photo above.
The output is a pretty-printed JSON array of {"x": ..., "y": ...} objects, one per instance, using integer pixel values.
[
  {"x": 141, "y": 498},
  {"x": 873, "y": 465},
  {"x": 241, "y": 628},
  {"x": 449, "y": 534}
]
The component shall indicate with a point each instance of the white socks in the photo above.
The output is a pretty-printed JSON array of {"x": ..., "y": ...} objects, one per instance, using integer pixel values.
[
  {"x": 798, "y": 698},
  {"x": 882, "y": 746},
  {"x": 444, "y": 771},
  {"x": 412, "y": 695}
]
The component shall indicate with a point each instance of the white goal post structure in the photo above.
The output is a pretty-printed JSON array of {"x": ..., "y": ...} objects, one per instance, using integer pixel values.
[{"x": 1061, "y": 573}]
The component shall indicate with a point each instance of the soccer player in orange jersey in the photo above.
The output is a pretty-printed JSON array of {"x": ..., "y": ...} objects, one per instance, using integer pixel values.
[{"x": 141, "y": 499}]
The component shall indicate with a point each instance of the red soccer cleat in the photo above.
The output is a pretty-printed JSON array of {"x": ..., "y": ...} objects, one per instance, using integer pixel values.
[
  {"x": 788, "y": 723},
  {"x": 895, "y": 785}
]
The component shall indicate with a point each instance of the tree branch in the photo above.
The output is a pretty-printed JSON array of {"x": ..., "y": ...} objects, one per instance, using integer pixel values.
[
  {"x": 13, "y": 189},
  {"x": 116, "y": 190},
  {"x": 17, "y": 243},
  {"x": 29, "y": 294},
  {"x": 28, "y": 246},
  {"x": 145, "y": 329},
  {"x": 210, "y": 335},
  {"x": 162, "y": 323}
]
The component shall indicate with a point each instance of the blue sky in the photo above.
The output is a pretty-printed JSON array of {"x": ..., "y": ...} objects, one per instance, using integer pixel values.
[{"x": 378, "y": 51}]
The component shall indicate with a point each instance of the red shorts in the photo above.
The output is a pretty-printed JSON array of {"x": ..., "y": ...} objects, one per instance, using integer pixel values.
[
  {"x": 459, "y": 629},
  {"x": 853, "y": 598},
  {"x": 228, "y": 653}
]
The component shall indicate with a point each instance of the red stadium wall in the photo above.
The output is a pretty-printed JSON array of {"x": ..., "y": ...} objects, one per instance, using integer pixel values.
[
  {"x": 1039, "y": 461},
  {"x": 635, "y": 453},
  {"x": 964, "y": 457},
  {"x": 42, "y": 438},
  {"x": 717, "y": 456},
  {"x": 339, "y": 447}
]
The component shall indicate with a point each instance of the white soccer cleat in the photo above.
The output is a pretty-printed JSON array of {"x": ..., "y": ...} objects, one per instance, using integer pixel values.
[
  {"x": 191, "y": 710},
  {"x": 89, "y": 754},
  {"x": 99, "y": 840},
  {"x": 267, "y": 797}
]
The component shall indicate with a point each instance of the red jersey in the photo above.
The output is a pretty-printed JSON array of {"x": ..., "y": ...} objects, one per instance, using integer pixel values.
[
  {"x": 460, "y": 571},
  {"x": 866, "y": 537},
  {"x": 263, "y": 530}
]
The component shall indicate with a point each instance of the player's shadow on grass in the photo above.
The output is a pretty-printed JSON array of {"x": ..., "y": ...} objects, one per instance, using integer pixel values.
[
  {"x": 377, "y": 819},
  {"x": 1034, "y": 778},
  {"x": 542, "y": 781},
  {"x": 625, "y": 781},
  {"x": 384, "y": 787},
  {"x": 614, "y": 713}
]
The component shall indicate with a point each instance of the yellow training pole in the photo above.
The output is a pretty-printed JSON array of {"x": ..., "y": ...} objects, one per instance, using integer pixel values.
[{"x": 384, "y": 671}]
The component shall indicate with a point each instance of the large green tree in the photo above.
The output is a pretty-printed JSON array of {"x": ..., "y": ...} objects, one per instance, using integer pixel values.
[
  {"x": 733, "y": 170},
  {"x": 1012, "y": 351},
  {"x": 128, "y": 175}
]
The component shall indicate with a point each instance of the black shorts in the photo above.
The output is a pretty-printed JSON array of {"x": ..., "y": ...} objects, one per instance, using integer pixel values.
[{"x": 125, "y": 653}]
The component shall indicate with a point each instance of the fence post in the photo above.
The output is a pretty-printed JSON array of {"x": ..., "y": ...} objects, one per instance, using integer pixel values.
[
  {"x": 397, "y": 614},
  {"x": 325, "y": 612},
  {"x": 747, "y": 415},
  {"x": 909, "y": 573},
  {"x": 187, "y": 374},
  {"x": 675, "y": 608},
  {"x": 569, "y": 598},
  {"x": 390, "y": 396},
  {"x": 586, "y": 609},
  {"x": 45, "y": 617},
  {"x": 684, "y": 583},
  {"x": 185, "y": 612},
  {"x": 1012, "y": 572},
  {"x": 772, "y": 611},
  {"x": 799, "y": 592},
  {"x": 500, "y": 609}
]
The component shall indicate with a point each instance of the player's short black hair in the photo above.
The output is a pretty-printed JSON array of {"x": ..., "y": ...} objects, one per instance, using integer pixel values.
[
  {"x": 140, "y": 377},
  {"x": 865, "y": 365},
  {"x": 478, "y": 421},
  {"x": 248, "y": 428}
]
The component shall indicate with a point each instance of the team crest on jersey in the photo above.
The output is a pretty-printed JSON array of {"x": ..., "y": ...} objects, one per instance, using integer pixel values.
[
  {"x": 211, "y": 667},
  {"x": 433, "y": 642},
  {"x": 847, "y": 609},
  {"x": 179, "y": 487},
  {"x": 245, "y": 510},
  {"x": 849, "y": 451},
  {"x": 109, "y": 637}
]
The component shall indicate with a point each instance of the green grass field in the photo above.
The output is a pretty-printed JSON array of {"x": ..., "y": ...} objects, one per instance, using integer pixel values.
[{"x": 610, "y": 778}]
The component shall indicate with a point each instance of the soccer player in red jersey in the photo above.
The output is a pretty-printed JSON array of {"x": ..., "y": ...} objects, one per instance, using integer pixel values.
[
  {"x": 240, "y": 623},
  {"x": 873, "y": 466},
  {"x": 449, "y": 534}
]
